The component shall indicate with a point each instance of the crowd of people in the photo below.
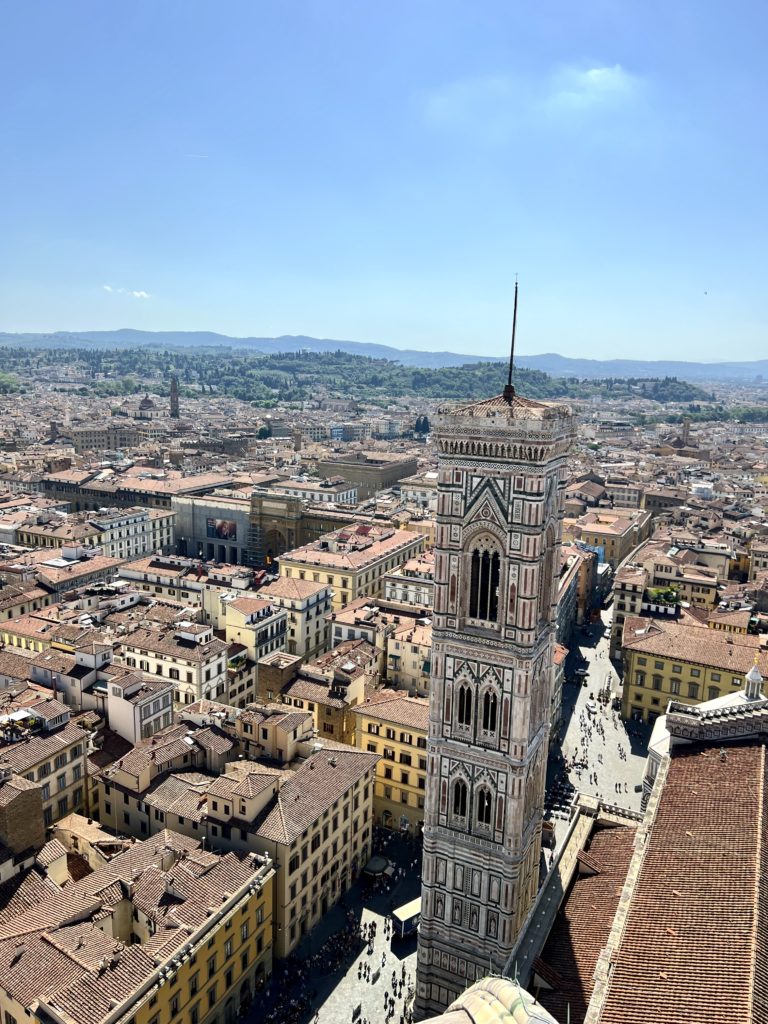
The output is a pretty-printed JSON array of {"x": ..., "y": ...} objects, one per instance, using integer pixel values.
[
  {"x": 299, "y": 987},
  {"x": 401, "y": 994}
]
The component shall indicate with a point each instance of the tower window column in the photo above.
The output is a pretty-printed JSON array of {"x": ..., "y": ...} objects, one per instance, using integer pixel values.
[
  {"x": 464, "y": 716},
  {"x": 460, "y": 799},
  {"x": 485, "y": 573}
]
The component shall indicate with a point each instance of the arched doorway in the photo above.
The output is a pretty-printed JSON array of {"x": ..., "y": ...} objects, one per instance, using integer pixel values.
[{"x": 275, "y": 543}]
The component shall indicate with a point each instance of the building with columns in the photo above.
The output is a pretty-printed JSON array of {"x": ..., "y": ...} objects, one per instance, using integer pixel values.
[{"x": 499, "y": 509}]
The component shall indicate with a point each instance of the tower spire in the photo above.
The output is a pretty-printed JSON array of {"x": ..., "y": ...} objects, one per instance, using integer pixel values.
[{"x": 509, "y": 390}]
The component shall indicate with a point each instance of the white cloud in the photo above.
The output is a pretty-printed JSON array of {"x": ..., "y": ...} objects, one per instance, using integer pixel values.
[
  {"x": 136, "y": 294},
  {"x": 581, "y": 89},
  {"x": 492, "y": 108}
]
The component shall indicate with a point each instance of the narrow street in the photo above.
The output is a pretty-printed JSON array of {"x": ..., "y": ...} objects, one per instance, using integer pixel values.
[{"x": 604, "y": 756}]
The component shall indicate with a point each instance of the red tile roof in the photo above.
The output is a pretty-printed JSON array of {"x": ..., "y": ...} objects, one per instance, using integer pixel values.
[
  {"x": 694, "y": 948},
  {"x": 583, "y": 924}
]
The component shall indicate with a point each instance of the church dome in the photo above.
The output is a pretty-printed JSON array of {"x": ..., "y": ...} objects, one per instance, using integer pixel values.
[
  {"x": 495, "y": 1001},
  {"x": 146, "y": 403}
]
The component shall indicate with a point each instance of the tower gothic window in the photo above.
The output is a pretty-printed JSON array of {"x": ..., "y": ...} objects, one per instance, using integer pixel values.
[
  {"x": 484, "y": 806},
  {"x": 484, "y": 585},
  {"x": 460, "y": 798},
  {"x": 465, "y": 706},
  {"x": 489, "y": 712}
]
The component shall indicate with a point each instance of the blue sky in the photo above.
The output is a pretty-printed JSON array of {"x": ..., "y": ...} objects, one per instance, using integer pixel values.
[{"x": 380, "y": 172}]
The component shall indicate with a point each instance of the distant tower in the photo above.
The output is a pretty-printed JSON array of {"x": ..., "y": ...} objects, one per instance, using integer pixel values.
[
  {"x": 174, "y": 397},
  {"x": 501, "y": 474}
]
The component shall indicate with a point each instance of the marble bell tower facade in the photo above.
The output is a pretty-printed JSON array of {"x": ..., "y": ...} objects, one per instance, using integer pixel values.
[{"x": 500, "y": 504}]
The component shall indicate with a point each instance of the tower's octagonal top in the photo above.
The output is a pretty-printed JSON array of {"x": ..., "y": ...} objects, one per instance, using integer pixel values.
[{"x": 504, "y": 407}]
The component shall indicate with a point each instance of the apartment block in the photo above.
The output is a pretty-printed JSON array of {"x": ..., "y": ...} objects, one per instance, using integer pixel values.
[
  {"x": 332, "y": 685},
  {"x": 314, "y": 819},
  {"x": 188, "y": 654},
  {"x": 41, "y": 744},
  {"x": 306, "y": 603},
  {"x": 689, "y": 664},
  {"x": 162, "y": 931},
  {"x": 353, "y": 561},
  {"x": 413, "y": 583},
  {"x": 395, "y": 726}
]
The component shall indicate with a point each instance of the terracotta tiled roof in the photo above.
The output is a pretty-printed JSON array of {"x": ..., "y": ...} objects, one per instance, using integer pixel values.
[
  {"x": 292, "y": 589},
  {"x": 499, "y": 404},
  {"x": 730, "y": 652},
  {"x": 20, "y": 757},
  {"x": 695, "y": 945},
  {"x": 397, "y": 708},
  {"x": 313, "y": 788},
  {"x": 584, "y": 922}
]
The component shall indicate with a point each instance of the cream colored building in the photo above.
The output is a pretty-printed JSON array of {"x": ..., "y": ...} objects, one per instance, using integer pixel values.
[
  {"x": 613, "y": 533},
  {"x": 187, "y": 654},
  {"x": 48, "y": 749},
  {"x": 314, "y": 820},
  {"x": 409, "y": 657},
  {"x": 413, "y": 583},
  {"x": 159, "y": 931},
  {"x": 353, "y": 561},
  {"x": 307, "y": 603}
]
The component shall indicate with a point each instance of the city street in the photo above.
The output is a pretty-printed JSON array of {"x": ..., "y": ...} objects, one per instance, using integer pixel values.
[
  {"x": 337, "y": 977},
  {"x": 609, "y": 754}
]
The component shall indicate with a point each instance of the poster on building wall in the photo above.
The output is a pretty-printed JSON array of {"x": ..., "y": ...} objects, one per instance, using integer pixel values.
[{"x": 221, "y": 529}]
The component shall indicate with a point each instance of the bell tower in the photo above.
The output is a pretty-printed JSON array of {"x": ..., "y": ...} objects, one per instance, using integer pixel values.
[{"x": 500, "y": 499}]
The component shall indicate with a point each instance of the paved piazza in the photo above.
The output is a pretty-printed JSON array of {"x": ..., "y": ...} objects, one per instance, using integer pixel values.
[
  {"x": 614, "y": 750},
  {"x": 353, "y": 992}
]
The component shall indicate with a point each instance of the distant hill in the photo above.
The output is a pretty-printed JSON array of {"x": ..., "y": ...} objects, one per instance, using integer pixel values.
[
  {"x": 128, "y": 338},
  {"x": 550, "y": 363},
  {"x": 591, "y": 369}
]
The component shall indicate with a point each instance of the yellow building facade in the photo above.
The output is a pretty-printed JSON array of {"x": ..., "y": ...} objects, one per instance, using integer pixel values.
[
  {"x": 666, "y": 661},
  {"x": 394, "y": 726}
]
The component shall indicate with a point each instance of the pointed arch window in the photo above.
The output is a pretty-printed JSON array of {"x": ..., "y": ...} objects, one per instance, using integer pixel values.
[
  {"x": 485, "y": 572},
  {"x": 464, "y": 716},
  {"x": 460, "y": 798},
  {"x": 490, "y": 706},
  {"x": 484, "y": 806}
]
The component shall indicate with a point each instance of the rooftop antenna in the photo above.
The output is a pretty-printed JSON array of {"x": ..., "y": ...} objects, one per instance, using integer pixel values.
[{"x": 509, "y": 390}]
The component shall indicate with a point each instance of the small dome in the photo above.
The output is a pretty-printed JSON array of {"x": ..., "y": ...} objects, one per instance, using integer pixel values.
[
  {"x": 496, "y": 1000},
  {"x": 753, "y": 676},
  {"x": 146, "y": 403}
]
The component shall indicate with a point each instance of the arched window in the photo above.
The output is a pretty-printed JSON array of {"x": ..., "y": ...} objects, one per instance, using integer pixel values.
[
  {"x": 489, "y": 711},
  {"x": 465, "y": 706},
  {"x": 484, "y": 806},
  {"x": 460, "y": 798},
  {"x": 485, "y": 571}
]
